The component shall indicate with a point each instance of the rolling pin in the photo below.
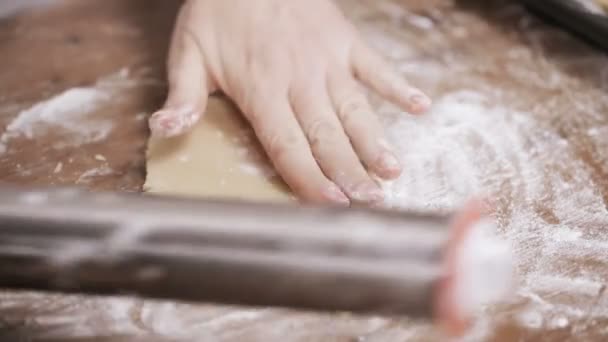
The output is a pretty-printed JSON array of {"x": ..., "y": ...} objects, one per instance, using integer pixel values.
[
  {"x": 328, "y": 259},
  {"x": 574, "y": 17}
]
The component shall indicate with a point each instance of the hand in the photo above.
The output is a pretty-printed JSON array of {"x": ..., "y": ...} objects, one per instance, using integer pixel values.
[{"x": 294, "y": 68}]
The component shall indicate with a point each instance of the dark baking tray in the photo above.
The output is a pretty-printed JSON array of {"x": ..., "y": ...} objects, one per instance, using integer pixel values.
[{"x": 574, "y": 17}]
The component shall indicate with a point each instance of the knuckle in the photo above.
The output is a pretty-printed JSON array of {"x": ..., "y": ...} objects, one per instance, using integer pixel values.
[
  {"x": 282, "y": 144},
  {"x": 351, "y": 109},
  {"x": 321, "y": 132}
]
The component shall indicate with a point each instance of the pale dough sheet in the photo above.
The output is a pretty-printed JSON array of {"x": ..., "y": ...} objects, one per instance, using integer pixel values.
[{"x": 220, "y": 158}]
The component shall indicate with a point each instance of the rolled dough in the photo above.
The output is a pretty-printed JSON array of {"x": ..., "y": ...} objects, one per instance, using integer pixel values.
[{"x": 220, "y": 158}]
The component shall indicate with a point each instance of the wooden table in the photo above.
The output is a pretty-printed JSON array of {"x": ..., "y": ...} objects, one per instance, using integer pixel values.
[{"x": 471, "y": 44}]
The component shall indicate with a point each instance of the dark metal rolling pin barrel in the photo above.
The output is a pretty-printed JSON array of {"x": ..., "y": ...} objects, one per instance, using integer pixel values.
[
  {"x": 328, "y": 259},
  {"x": 585, "y": 18}
]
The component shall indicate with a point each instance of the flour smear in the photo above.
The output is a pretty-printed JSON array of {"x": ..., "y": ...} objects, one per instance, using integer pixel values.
[
  {"x": 70, "y": 115},
  {"x": 469, "y": 145},
  {"x": 9, "y": 8}
]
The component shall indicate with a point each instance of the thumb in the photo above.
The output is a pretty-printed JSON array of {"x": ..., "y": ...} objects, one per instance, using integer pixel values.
[{"x": 188, "y": 86}]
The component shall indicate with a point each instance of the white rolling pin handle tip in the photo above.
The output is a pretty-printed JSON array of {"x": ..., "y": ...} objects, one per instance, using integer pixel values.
[{"x": 480, "y": 270}]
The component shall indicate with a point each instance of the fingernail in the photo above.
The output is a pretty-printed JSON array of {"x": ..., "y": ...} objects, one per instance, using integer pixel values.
[
  {"x": 420, "y": 103},
  {"x": 389, "y": 163},
  {"x": 368, "y": 192},
  {"x": 336, "y": 195}
]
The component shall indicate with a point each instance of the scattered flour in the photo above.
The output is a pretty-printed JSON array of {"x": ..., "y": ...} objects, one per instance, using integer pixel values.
[
  {"x": 531, "y": 319},
  {"x": 167, "y": 319},
  {"x": 58, "y": 168},
  {"x": 252, "y": 163},
  {"x": 469, "y": 145},
  {"x": 100, "y": 157},
  {"x": 71, "y": 112},
  {"x": 92, "y": 173},
  {"x": 141, "y": 116},
  {"x": 397, "y": 14},
  {"x": 184, "y": 158},
  {"x": 8, "y": 8},
  {"x": 258, "y": 169}
]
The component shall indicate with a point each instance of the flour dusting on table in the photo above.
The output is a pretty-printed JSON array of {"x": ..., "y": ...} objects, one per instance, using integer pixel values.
[
  {"x": 469, "y": 145},
  {"x": 70, "y": 113}
]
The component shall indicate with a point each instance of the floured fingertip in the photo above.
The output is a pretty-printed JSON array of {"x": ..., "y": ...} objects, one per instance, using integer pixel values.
[
  {"x": 388, "y": 166},
  {"x": 419, "y": 103},
  {"x": 368, "y": 192},
  {"x": 168, "y": 123},
  {"x": 336, "y": 196}
]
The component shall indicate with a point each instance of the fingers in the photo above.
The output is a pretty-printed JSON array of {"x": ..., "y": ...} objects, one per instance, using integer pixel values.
[
  {"x": 330, "y": 145},
  {"x": 281, "y": 136},
  {"x": 188, "y": 86},
  {"x": 362, "y": 126},
  {"x": 374, "y": 71}
]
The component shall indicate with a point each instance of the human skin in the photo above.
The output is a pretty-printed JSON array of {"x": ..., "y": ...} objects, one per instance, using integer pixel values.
[{"x": 296, "y": 69}]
